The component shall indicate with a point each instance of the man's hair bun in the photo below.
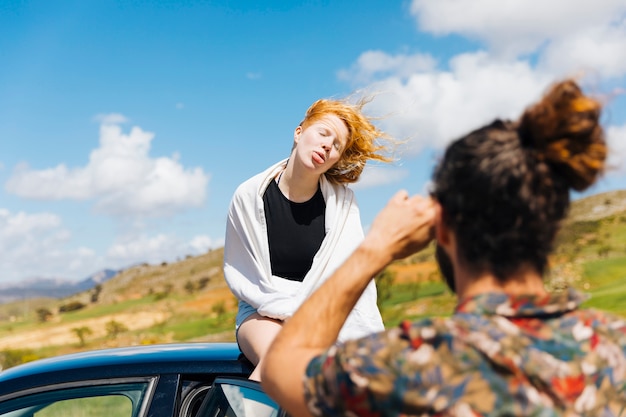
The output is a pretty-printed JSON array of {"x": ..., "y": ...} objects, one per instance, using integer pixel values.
[{"x": 563, "y": 129}]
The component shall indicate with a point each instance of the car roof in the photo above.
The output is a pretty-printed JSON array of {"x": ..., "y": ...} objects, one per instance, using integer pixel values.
[{"x": 184, "y": 358}]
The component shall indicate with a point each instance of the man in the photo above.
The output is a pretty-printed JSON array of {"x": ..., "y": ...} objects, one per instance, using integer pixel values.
[{"x": 511, "y": 348}]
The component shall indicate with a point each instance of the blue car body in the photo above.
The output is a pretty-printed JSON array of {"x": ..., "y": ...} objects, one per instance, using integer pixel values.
[{"x": 155, "y": 380}]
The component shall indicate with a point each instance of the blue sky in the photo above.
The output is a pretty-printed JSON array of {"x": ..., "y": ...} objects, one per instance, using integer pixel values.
[{"x": 125, "y": 127}]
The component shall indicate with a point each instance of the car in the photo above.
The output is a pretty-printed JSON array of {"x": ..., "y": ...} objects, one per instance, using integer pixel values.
[{"x": 166, "y": 380}]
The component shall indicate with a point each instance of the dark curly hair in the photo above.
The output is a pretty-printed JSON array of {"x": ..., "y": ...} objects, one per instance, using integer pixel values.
[{"x": 504, "y": 188}]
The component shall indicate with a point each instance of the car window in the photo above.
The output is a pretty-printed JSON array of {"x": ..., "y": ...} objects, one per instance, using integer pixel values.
[
  {"x": 102, "y": 406},
  {"x": 193, "y": 400},
  {"x": 238, "y": 398},
  {"x": 123, "y": 399}
]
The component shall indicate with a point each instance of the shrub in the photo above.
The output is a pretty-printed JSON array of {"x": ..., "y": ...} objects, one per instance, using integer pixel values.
[
  {"x": 203, "y": 282},
  {"x": 114, "y": 328},
  {"x": 219, "y": 308},
  {"x": 82, "y": 333},
  {"x": 95, "y": 293},
  {"x": 14, "y": 357},
  {"x": 167, "y": 289},
  {"x": 71, "y": 306},
  {"x": 43, "y": 315}
]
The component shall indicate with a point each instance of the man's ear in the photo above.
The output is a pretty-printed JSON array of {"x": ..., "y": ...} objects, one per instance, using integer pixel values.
[{"x": 442, "y": 231}]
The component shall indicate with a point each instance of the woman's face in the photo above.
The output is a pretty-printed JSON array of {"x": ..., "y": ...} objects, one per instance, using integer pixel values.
[{"x": 320, "y": 145}]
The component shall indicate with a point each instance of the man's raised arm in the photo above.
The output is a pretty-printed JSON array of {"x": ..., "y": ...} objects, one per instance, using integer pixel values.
[{"x": 403, "y": 227}]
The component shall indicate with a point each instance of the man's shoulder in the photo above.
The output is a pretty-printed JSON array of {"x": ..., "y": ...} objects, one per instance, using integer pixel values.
[
  {"x": 422, "y": 352},
  {"x": 404, "y": 339}
]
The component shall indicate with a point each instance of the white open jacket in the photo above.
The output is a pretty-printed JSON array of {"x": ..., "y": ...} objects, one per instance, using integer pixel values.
[{"x": 247, "y": 267}]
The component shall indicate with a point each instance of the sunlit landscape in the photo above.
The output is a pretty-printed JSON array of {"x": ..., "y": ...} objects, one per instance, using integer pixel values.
[{"x": 188, "y": 300}]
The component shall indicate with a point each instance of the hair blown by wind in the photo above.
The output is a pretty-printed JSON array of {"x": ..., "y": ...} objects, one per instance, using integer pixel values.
[{"x": 365, "y": 141}]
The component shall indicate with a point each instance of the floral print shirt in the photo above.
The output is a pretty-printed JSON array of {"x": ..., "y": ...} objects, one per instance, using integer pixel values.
[{"x": 497, "y": 355}]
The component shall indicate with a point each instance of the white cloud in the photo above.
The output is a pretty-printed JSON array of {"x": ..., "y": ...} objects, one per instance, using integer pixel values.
[
  {"x": 430, "y": 108},
  {"x": 616, "y": 139},
  {"x": 133, "y": 249},
  {"x": 515, "y": 26},
  {"x": 35, "y": 245},
  {"x": 599, "y": 50},
  {"x": 254, "y": 75},
  {"x": 120, "y": 176},
  {"x": 528, "y": 45},
  {"x": 38, "y": 245},
  {"x": 372, "y": 65},
  {"x": 566, "y": 36},
  {"x": 180, "y": 106},
  {"x": 14, "y": 226},
  {"x": 376, "y": 175},
  {"x": 203, "y": 243},
  {"x": 111, "y": 119}
]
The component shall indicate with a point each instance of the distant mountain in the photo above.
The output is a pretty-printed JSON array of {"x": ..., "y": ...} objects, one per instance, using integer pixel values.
[{"x": 51, "y": 288}]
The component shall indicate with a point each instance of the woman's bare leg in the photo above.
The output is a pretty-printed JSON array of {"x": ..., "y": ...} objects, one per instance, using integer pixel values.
[{"x": 255, "y": 335}]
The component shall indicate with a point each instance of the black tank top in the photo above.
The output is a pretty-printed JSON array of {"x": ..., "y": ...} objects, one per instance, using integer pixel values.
[{"x": 295, "y": 232}]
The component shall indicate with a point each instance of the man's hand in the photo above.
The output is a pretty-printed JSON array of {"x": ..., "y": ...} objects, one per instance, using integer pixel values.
[{"x": 403, "y": 227}]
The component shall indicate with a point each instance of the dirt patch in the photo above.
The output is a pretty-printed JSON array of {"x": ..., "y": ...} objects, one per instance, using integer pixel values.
[
  {"x": 62, "y": 334},
  {"x": 206, "y": 301},
  {"x": 423, "y": 271}
]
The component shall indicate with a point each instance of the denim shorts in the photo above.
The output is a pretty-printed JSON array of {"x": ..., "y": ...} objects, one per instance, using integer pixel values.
[{"x": 245, "y": 311}]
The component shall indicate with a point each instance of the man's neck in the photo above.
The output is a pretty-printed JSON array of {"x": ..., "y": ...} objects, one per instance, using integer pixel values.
[{"x": 526, "y": 280}]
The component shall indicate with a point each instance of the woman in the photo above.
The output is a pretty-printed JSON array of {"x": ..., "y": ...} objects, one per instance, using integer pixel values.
[
  {"x": 290, "y": 226},
  {"x": 511, "y": 348}
]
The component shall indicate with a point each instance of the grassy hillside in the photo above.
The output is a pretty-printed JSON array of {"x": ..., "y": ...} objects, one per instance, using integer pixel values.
[
  {"x": 183, "y": 301},
  {"x": 189, "y": 300},
  {"x": 591, "y": 251}
]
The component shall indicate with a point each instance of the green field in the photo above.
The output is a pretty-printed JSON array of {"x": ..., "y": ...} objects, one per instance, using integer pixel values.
[{"x": 607, "y": 282}]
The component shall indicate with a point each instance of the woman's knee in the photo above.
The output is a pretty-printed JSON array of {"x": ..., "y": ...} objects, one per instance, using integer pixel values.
[{"x": 256, "y": 334}]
